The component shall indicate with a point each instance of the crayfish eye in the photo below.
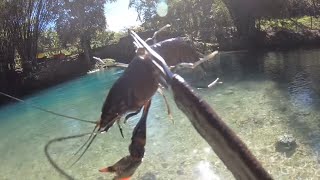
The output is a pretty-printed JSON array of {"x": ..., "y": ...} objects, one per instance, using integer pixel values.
[{"x": 102, "y": 125}]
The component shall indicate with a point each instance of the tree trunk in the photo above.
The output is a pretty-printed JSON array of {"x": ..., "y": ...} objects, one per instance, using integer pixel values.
[
  {"x": 243, "y": 19},
  {"x": 27, "y": 49},
  {"x": 245, "y": 24},
  {"x": 85, "y": 43},
  {"x": 7, "y": 66},
  {"x": 205, "y": 20}
]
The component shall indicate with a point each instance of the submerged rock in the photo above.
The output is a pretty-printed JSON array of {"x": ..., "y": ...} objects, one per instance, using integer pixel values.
[
  {"x": 149, "y": 176},
  {"x": 229, "y": 92},
  {"x": 180, "y": 172},
  {"x": 286, "y": 144}
]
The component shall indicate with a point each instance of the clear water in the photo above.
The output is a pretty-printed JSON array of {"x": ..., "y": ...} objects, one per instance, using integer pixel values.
[{"x": 263, "y": 96}]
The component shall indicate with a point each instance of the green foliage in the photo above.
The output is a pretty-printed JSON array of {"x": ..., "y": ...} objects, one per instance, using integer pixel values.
[
  {"x": 310, "y": 22},
  {"x": 201, "y": 18},
  {"x": 22, "y": 22},
  {"x": 48, "y": 39},
  {"x": 294, "y": 24},
  {"x": 194, "y": 17},
  {"x": 80, "y": 18},
  {"x": 103, "y": 38},
  {"x": 221, "y": 15},
  {"x": 145, "y": 8}
]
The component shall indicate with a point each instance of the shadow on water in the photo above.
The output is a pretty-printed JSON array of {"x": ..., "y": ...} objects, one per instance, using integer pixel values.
[{"x": 296, "y": 75}]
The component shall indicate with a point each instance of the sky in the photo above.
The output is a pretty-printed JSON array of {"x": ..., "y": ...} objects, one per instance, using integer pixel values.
[{"x": 119, "y": 16}]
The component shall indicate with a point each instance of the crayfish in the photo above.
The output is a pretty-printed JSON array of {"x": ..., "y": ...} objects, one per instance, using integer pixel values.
[
  {"x": 129, "y": 94},
  {"x": 231, "y": 150}
]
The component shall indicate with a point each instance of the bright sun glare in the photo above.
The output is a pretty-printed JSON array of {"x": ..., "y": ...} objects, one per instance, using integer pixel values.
[{"x": 119, "y": 16}]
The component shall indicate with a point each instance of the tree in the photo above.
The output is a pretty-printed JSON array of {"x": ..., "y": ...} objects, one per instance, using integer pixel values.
[
  {"x": 196, "y": 16},
  {"x": 81, "y": 19},
  {"x": 26, "y": 19},
  {"x": 193, "y": 17},
  {"x": 103, "y": 38},
  {"x": 6, "y": 41},
  {"x": 48, "y": 41}
]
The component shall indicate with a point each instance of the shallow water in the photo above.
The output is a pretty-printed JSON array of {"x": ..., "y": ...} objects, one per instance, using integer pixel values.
[{"x": 263, "y": 96}]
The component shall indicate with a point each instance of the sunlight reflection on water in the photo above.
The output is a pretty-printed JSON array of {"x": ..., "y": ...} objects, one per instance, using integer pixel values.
[{"x": 204, "y": 171}]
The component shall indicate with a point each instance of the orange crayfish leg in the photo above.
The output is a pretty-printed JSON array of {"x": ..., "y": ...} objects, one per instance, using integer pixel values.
[{"x": 126, "y": 178}]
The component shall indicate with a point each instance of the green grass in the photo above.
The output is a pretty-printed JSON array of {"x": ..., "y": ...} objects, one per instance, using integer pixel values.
[
  {"x": 295, "y": 24},
  {"x": 307, "y": 22}
]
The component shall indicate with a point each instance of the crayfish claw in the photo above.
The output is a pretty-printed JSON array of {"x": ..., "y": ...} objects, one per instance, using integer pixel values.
[
  {"x": 127, "y": 165},
  {"x": 127, "y": 178},
  {"x": 124, "y": 168},
  {"x": 104, "y": 170}
]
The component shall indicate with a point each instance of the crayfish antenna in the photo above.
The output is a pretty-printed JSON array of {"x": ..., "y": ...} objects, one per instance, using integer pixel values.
[
  {"x": 87, "y": 140},
  {"x": 51, "y": 161},
  {"x": 94, "y": 135},
  {"x": 85, "y": 150},
  {"x": 45, "y": 110}
]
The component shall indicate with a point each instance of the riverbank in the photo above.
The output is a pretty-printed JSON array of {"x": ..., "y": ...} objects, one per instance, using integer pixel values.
[
  {"x": 281, "y": 39},
  {"x": 272, "y": 40},
  {"x": 50, "y": 73}
]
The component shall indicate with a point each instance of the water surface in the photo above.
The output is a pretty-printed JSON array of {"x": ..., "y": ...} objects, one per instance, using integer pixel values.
[{"x": 263, "y": 96}]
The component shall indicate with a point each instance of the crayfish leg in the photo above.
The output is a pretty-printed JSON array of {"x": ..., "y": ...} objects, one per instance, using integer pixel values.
[
  {"x": 128, "y": 178},
  {"x": 132, "y": 114},
  {"x": 167, "y": 104},
  {"x": 120, "y": 128}
]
